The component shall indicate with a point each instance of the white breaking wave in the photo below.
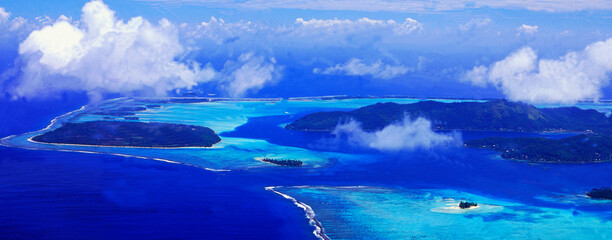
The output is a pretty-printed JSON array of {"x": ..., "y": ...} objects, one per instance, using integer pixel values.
[{"x": 310, "y": 214}]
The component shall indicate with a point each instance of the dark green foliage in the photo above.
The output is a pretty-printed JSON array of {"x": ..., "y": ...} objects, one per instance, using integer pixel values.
[
  {"x": 136, "y": 134},
  {"x": 576, "y": 149},
  {"x": 494, "y": 115},
  {"x": 284, "y": 162},
  {"x": 464, "y": 205},
  {"x": 600, "y": 193}
]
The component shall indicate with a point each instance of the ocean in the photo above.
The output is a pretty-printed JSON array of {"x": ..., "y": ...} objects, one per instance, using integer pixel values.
[{"x": 220, "y": 193}]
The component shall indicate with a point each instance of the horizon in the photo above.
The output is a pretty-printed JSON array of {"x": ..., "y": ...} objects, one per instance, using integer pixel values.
[{"x": 253, "y": 49}]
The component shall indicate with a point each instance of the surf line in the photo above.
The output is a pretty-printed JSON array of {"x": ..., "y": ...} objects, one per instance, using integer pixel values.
[
  {"x": 31, "y": 139},
  {"x": 54, "y": 120},
  {"x": 2, "y": 143},
  {"x": 310, "y": 214}
]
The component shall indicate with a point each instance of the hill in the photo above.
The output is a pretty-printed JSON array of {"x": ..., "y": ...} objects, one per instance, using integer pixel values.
[
  {"x": 133, "y": 134},
  {"x": 582, "y": 148},
  {"x": 494, "y": 115}
]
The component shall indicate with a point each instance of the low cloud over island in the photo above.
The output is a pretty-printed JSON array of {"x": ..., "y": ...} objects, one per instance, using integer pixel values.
[{"x": 401, "y": 136}]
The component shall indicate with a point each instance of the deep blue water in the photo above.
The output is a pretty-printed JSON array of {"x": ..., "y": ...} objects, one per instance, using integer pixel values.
[
  {"x": 63, "y": 195},
  {"x": 19, "y": 116},
  {"x": 57, "y": 195}
]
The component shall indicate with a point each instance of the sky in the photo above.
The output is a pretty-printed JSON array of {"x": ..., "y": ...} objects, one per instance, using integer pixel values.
[{"x": 547, "y": 51}]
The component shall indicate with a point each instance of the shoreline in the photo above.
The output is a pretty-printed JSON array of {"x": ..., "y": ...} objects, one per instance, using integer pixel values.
[
  {"x": 552, "y": 132},
  {"x": 336, "y": 97},
  {"x": 498, "y": 155},
  {"x": 109, "y": 146},
  {"x": 51, "y": 123},
  {"x": 260, "y": 159},
  {"x": 319, "y": 232},
  {"x": 115, "y": 154}
]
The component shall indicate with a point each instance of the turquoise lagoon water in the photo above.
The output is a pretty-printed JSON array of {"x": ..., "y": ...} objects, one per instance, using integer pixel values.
[
  {"x": 221, "y": 116},
  {"x": 406, "y": 195},
  {"x": 379, "y": 213}
]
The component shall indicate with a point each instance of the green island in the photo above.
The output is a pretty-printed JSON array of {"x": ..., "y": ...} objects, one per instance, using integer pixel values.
[
  {"x": 582, "y": 148},
  {"x": 594, "y": 145},
  {"x": 131, "y": 134},
  {"x": 466, "y": 205},
  {"x": 600, "y": 193},
  {"x": 284, "y": 162},
  {"x": 493, "y": 115}
]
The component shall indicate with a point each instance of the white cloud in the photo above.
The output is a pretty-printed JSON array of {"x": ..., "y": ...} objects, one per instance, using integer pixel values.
[
  {"x": 526, "y": 29},
  {"x": 8, "y": 25},
  {"x": 4, "y": 15},
  {"x": 304, "y": 33},
  {"x": 566, "y": 33},
  {"x": 18, "y": 23},
  {"x": 249, "y": 74},
  {"x": 477, "y": 76},
  {"x": 102, "y": 54},
  {"x": 394, "y": 5},
  {"x": 357, "y": 67},
  {"x": 219, "y": 31},
  {"x": 363, "y": 24},
  {"x": 12, "y": 31},
  {"x": 44, "y": 20},
  {"x": 422, "y": 63},
  {"x": 475, "y": 23},
  {"x": 405, "y": 135},
  {"x": 362, "y": 33},
  {"x": 523, "y": 77}
]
